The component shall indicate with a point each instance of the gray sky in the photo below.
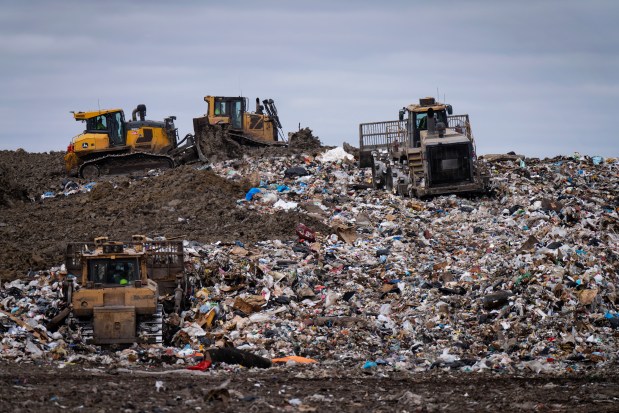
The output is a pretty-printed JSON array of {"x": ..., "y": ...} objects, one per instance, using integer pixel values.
[{"x": 537, "y": 77}]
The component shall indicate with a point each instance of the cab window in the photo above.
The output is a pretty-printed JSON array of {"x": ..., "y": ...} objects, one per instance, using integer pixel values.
[
  {"x": 116, "y": 272},
  {"x": 421, "y": 121},
  {"x": 220, "y": 108},
  {"x": 116, "y": 135},
  {"x": 96, "y": 124},
  {"x": 237, "y": 119}
]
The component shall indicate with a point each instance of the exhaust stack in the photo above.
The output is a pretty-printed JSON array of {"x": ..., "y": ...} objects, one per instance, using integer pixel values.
[{"x": 141, "y": 110}]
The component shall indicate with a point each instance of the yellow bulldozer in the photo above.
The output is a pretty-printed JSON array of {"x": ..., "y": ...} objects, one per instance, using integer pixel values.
[
  {"x": 110, "y": 145},
  {"x": 261, "y": 127},
  {"x": 116, "y": 297}
]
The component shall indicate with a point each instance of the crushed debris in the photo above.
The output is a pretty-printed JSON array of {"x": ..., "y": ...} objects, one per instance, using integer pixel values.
[{"x": 522, "y": 281}]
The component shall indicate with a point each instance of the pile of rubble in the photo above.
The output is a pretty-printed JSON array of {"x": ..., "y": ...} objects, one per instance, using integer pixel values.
[
  {"x": 521, "y": 280},
  {"x": 303, "y": 139}
]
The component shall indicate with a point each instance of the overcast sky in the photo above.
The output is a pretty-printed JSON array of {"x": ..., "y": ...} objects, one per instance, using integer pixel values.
[{"x": 537, "y": 77}]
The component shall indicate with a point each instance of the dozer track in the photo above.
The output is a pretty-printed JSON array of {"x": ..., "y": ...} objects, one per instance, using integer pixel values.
[
  {"x": 125, "y": 163},
  {"x": 150, "y": 328},
  {"x": 84, "y": 327}
]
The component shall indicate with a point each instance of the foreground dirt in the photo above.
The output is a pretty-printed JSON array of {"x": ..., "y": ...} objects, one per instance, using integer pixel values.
[
  {"x": 184, "y": 203},
  {"x": 33, "y": 388}
]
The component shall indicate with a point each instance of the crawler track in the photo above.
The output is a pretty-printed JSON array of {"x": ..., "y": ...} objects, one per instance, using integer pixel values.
[{"x": 122, "y": 164}]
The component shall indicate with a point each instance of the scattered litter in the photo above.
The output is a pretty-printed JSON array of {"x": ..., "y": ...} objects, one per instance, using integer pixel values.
[{"x": 522, "y": 280}]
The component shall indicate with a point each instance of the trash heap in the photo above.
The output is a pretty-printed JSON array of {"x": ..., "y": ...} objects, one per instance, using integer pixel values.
[
  {"x": 69, "y": 187},
  {"x": 522, "y": 280}
]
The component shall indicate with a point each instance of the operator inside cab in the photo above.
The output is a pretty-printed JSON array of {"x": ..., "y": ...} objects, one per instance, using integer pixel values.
[
  {"x": 114, "y": 272},
  {"x": 98, "y": 123},
  {"x": 422, "y": 121},
  {"x": 119, "y": 274}
]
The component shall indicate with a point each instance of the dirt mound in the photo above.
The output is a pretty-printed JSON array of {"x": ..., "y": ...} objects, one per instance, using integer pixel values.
[
  {"x": 304, "y": 139},
  {"x": 35, "y": 172},
  {"x": 351, "y": 150},
  {"x": 183, "y": 203},
  {"x": 10, "y": 189},
  {"x": 216, "y": 145}
]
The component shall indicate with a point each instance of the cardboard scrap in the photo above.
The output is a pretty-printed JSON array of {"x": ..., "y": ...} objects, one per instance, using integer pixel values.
[
  {"x": 346, "y": 233},
  {"x": 249, "y": 304},
  {"x": 586, "y": 297}
]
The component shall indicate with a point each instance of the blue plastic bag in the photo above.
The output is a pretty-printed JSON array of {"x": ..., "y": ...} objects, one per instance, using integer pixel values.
[{"x": 250, "y": 194}]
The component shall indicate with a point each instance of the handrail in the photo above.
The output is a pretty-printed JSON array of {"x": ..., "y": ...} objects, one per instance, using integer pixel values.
[
  {"x": 381, "y": 135},
  {"x": 159, "y": 254},
  {"x": 378, "y": 135}
]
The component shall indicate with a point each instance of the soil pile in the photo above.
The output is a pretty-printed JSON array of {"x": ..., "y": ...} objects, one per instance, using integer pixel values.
[
  {"x": 216, "y": 145},
  {"x": 183, "y": 203},
  {"x": 10, "y": 189},
  {"x": 304, "y": 139},
  {"x": 35, "y": 173}
]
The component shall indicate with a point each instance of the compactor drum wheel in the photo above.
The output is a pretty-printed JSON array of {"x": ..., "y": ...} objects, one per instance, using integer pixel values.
[
  {"x": 389, "y": 181},
  {"x": 378, "y": 176},
  {"x": 376, "y": 183}
]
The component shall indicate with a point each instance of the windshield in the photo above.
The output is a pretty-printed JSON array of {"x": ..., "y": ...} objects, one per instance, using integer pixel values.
[
  {"x": 119, "y": 271},
  {"x": 232, "y": 107},
  {"x": 421, "y": 119},
  {"x": 98, "y": 123}
]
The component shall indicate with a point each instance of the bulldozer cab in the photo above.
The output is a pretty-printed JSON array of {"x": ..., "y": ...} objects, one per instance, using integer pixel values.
[
  {"x": 93, "y": 263},
  {"x": 113, "y": 272},
  {"x": 226, "y": 110},
  {"x": 111, "y": 264},
  {"x": 111, "y": 123}
]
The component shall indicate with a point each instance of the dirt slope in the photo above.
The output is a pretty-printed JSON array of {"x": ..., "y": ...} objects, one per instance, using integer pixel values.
[{"x": 183, "y": 203}]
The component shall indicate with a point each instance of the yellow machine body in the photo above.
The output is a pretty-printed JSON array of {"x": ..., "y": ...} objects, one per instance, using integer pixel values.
[
  {"x": 107, "y": 134},
  {"x": 114, "y": 136},
  {"x": 115, "y": 291}
]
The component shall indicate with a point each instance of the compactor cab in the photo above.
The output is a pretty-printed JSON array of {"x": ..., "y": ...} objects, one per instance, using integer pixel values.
[{"x": 261, "y": 127}]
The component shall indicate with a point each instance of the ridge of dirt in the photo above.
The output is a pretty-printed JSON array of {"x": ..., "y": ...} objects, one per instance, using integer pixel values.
[{"x": 185, "y": 203}]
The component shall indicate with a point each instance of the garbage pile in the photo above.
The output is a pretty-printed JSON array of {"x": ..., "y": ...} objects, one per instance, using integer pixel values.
[
  {"x": 69, "y": 187},
  {"x": 521, "y": 280}
]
